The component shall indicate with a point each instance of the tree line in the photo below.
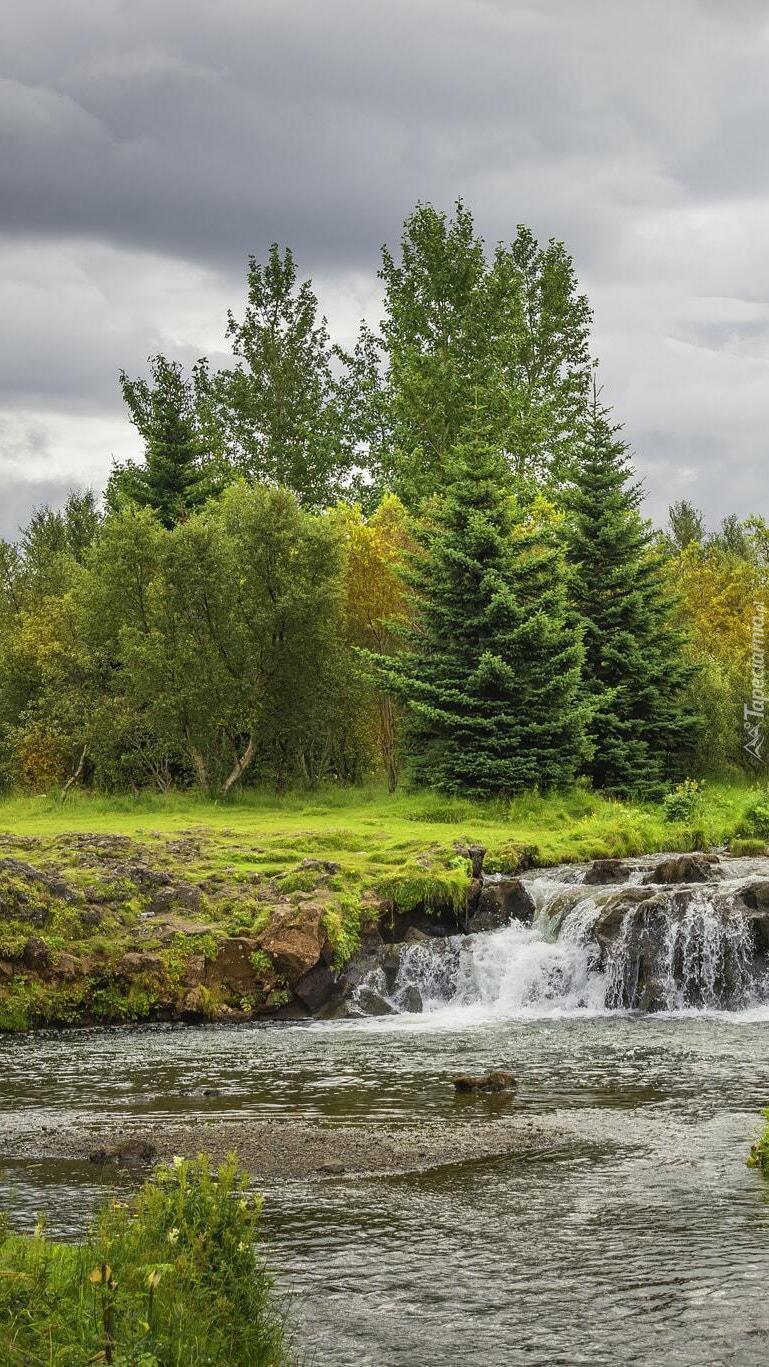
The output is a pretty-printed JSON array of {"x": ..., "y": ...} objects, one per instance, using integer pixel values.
[{"x": 422, "y": 557}]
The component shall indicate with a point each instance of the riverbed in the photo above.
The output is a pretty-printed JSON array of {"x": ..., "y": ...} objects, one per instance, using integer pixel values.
[{"x": 620, "y": 1225}]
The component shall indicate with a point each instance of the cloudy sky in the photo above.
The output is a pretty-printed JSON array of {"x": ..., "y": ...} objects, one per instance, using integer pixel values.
[{"x": 147, "y": 147}]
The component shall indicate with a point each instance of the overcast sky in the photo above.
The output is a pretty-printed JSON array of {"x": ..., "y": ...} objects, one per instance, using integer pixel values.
[{"x": 146, "y": 148}]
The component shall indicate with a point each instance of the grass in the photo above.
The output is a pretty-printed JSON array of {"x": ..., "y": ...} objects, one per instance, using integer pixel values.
[
  {"x": 362, "y": 821},
  {"x": 172, "y": 1278}
]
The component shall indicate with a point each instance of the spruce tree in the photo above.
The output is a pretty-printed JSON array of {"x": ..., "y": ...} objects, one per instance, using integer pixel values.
[
  {"x": 490, "y": 668},
  {"x": 172, "y": 479},
  {"x": 636, "y": 678}
]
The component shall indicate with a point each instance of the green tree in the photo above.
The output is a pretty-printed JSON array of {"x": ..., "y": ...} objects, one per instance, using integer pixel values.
[
  {"x": 508, "y": 337},
  {"x": 686, "y": 525},
  {"x": 175, "y": 477},
  {"x": 491, "y": 668},
  {"x": 542, "y": 355},
  {"x": 278, "y": 413},
  {"x": 643, "y": 729}
]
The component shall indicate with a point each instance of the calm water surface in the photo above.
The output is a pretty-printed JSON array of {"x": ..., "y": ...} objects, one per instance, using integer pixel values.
[{"x": 642, "y": 1238}]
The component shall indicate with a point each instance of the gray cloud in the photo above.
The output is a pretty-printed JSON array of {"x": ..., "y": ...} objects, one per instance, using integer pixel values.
[{"x": 147, "y": 149}]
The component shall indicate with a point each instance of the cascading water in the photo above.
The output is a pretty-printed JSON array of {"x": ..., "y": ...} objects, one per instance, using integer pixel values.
[{"x": 629, "y": 946}]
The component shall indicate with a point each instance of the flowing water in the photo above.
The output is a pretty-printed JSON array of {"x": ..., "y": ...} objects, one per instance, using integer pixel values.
[{"x": 638, "y": 1237}]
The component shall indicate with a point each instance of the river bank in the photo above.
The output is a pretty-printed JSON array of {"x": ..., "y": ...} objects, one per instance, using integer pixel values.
[{"x": 125, "y": 911}]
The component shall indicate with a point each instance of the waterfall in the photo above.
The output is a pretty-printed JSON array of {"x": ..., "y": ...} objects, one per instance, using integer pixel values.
[{"x": 626, "y": 947}]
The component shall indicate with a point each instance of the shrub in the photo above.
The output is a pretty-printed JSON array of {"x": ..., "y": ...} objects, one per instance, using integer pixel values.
[
  {"x": 759, "y": 1152},
  {"x": 684, "y": 803},
  {"x": 755, "y": 817},
  {"x": 170, "y": 1277}
]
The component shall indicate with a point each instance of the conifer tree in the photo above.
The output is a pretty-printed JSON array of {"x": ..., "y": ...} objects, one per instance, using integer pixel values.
[
  {"x": 636, "y": 678},
  {"x": 491, "y": 668},
  {"x": 171, "y": 480}
]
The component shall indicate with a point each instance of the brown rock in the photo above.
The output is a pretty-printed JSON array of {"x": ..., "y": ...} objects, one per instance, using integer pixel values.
[
  {"x": 232, "y": 966},
  {"x": 607, "y": 871},
  {"x": 295, "y": 939},
  {"x": 686, "y": 868},
  {"x": 139, "y": 962},
  {"x": 66, "y": 966},
  {"x": 495, "y": 1081},
  {"x": 36, "y": 955}
]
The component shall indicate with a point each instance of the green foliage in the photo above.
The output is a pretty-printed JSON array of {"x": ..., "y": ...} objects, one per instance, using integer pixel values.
[
  {"x": 173, "y": 480},
  {"x": 754, "y": 820},
  {"x": 278, "y": 416},
  {"x": 643, "y": 729},
  {"x": 759, "y": 1152},
  {"x": 172, "y": 1276},
  {"x": 460, "y": 332},
  {"x": 490, "y": 671},
  {"x": 684, "y": 802}
]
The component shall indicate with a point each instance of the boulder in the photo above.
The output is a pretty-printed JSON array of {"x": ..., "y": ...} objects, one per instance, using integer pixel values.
[
  {"x": 316, "y": 987},
  {"x": 295, "y": 939},
  {"x": 371, "y": 1003},
  {"x": 411, "y": 999},
  {"x": 686, "y": 868},
  {"x": 614, "y": 911},
  {"x": 66, "y": 966},
  {"x": 232, "y": 967},
  {"x": 175, "y": 897},
  {"x": 502, "y": 900},
  {"x": 475, "y": 853},
  {"x": 496, "y": 1081},
  {"x": 138, "y": 961},
  {"x": 607, "y": 871},
  {"x": 36, "y": 955}
]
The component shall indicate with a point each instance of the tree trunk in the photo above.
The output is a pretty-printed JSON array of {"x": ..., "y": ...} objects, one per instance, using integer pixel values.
[
  {"x": 198, "y": 762},
  {"x": 75, "y": 775},
  {"x": 240, "y": 766}
]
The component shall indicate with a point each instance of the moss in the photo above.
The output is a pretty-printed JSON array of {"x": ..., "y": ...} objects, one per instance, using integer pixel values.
[
  {"x": 412, "y": 888},
  {"x": 342, "y": 920}
]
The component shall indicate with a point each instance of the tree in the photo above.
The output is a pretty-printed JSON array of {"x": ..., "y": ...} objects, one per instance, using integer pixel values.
[
  {"x": 636, "y": 677},
  {"x": 231, "y": 647},
  {"x": 510, "y": 338},
  {"x": 490, "y": 669},
  {"x": 173, "y": 479},
  {"x": 686, "y": 525},
  {"x": 541, "y": 329},
  {"x": 375, "y": 604},
  {"x": 278, "y": 413}
]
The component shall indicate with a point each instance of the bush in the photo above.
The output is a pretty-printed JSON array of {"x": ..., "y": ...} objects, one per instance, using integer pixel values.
[
  {"x": 685, "y": 802},
  {"x": 170, "y": 1277},
  {"x": 747, "y": 846},
  {"x": 755, "y": 817},
  {"x": 759, "y": 1152}
]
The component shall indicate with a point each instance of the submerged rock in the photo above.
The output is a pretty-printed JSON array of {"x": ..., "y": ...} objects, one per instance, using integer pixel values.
[
  {"x": 128, "y": 1153},
  {"x": 496, "y": 1081}
]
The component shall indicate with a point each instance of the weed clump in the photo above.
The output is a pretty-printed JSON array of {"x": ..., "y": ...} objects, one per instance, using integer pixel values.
[{"x": 172, "y": 1276}]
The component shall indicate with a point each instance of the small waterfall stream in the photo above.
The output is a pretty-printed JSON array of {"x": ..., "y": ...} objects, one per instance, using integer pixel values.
[{"x": 634, "y": 945}]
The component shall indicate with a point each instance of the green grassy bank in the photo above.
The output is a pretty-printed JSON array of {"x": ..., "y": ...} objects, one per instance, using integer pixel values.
[{"x": 128, "y": 909}]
